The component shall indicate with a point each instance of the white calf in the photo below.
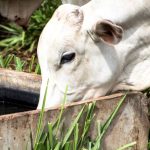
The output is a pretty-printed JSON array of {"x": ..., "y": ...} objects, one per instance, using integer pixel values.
[{"x": 97, "y": 48}]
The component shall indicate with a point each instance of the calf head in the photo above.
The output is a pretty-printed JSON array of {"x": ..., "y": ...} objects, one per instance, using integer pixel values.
[{"x": 74, "y": 55}]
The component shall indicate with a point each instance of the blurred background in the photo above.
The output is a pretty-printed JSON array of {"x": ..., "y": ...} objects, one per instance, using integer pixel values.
[{"x": 21, "y": 22}]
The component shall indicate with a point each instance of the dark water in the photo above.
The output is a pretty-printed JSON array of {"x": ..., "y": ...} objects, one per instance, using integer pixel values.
[{"x": 8, "y": 108}]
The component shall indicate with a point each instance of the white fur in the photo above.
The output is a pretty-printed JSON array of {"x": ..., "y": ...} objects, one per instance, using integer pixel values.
[{"x": 99, "y": 67}]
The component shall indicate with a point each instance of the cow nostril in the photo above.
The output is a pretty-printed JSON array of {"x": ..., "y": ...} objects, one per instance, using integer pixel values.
[{"x": 67, "y": 57}]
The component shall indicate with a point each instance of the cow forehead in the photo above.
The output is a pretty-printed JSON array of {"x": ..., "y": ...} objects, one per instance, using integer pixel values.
[
  {"x": 61, "y": 32},
  {"x": 69, "y": 14},
  {"x": 56, "y": 38},
  {"x": 63, "y": 10},
  {"x": 63, "y": 25}
]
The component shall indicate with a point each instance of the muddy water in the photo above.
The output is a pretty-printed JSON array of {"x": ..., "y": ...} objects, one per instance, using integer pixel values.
[{"x": 8, "y": 108}]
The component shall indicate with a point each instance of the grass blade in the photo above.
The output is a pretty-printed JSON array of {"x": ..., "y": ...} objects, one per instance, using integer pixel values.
[
  {"x": 37, "y": 69},
  {"x": 50, "y": 131},
  {"x": 68, "y": 145},
  {"x": 19, "y": 64},
  {"x": 107, "y": 124},
  {"x": 37, "y": 137},
  {"x": 72, "y": 127},
  {"x": 76, "y": 136},
  {"x": 58, "y": 146},
  {"x": 2, "y": 62},
  {"x": 88, "y": 120},
  {"x": 127, "y": 146},
  {"x": 109, "y": 120},
  {"x": 31, "y": 64},
  {"x": 62, "y": 109},
  {"x": 11, "y": 30},
  {"x": 8, "y": 59}
]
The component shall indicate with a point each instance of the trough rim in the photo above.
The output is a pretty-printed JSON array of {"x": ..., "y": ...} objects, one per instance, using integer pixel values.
[
  {"x": 34, "y": 112},
  {"x": 20, "y": 87},
  {"x": 7, "y": 76},
  {"x": 8, "y": 73}
]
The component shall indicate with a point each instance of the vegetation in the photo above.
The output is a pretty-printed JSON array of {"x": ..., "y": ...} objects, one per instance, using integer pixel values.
[
  {"x": 18, "y": 45},
  {"x": 75, "y": 138}
]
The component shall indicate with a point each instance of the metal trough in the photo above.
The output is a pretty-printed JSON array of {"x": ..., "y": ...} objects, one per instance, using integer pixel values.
[
  {"x": 17, "y": 131},
  {"x": 20, "y": 90}
]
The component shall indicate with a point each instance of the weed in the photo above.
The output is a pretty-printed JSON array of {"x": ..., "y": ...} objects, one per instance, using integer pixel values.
[{"x": 74, "y": 138}]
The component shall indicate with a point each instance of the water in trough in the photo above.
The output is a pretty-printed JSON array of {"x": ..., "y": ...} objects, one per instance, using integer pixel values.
[
  {"x": 12, "y": 101},
  {"x": 9, "y": 108}
]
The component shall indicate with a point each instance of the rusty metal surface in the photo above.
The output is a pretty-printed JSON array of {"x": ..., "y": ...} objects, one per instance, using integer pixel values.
[
  {"x": 18, "y": 10},
  {"x": 17, "y": 131}
]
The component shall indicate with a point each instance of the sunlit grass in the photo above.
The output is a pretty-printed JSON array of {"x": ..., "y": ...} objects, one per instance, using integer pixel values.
[{"x": 75, "y": 138}]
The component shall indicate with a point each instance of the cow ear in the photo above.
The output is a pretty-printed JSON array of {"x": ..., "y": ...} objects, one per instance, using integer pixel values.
[{"x": 107, "y": 31}]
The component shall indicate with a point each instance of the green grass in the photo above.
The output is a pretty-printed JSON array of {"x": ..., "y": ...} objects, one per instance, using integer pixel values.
[
  {"x": 75, "y": 138},
  {"x": 16, "y": 63},
  {"x": 18, "y": 45}
]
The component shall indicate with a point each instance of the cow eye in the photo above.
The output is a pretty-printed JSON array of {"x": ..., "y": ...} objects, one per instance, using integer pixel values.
[{"x": 67, "y": 57}]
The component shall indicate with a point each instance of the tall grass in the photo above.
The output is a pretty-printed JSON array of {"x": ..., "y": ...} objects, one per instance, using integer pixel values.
[{"x": 75, "y": 138}]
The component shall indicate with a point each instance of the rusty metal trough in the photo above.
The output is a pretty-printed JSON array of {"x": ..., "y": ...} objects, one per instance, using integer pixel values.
[{"x": 17, "y": 131}]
